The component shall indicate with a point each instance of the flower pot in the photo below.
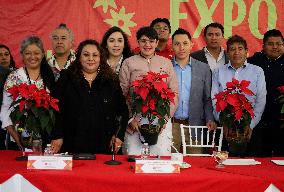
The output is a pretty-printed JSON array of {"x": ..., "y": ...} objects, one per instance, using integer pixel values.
[
  {"x": 237, "y": 141},
  {"x": 237, "y": 148},
  {"x": 27, "y": 139},
  {"x": 37, "y": 147},
  {"x": 150, "y": 133}
]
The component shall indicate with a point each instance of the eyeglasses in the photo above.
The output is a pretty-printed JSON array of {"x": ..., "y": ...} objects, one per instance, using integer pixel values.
[
  {"x": 277, "y": 44},
  {"x": 144, "y": 41}
]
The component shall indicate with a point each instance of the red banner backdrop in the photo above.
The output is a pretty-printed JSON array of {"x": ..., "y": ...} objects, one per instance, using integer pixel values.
[{"x": 91, "y": 18}]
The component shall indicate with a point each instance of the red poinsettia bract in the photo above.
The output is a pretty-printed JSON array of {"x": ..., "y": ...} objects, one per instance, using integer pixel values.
[
  {"x": 281, "y": 89},
  {"x": 33, "y": 109},
  {"x": 29, "y": 94},
  {"x": 151, "y": 95},
  {"x": 233, "y": 100}
]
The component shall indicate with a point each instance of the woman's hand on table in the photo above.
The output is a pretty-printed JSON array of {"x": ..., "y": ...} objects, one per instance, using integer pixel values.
[
  {"x": 117, "y": 143},
  {"x": 56, "y": 145}
]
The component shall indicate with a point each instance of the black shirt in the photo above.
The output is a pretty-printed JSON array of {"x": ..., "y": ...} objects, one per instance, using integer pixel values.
[{"x": 274, "y": 77}]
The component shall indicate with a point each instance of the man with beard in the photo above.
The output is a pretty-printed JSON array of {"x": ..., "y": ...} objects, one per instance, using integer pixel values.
[{"x": 62, "y": 41}]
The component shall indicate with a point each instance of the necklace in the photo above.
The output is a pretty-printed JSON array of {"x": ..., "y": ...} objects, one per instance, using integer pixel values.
[
  {"x": 28, "y": 76},
  {"x": 88, "y": 79}
]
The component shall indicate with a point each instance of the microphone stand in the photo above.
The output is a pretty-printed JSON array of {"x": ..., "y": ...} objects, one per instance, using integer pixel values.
[
  {"x": 113, "y": 161},
  {"x": 23, "y": 157}
]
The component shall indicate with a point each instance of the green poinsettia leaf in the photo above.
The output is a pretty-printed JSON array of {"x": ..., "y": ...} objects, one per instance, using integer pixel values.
[
  {"x": 46, "y": 124},
  {"x": 52, "y": 116},
  {"x": 138, "y": 106},
  {"x": 44, "y": 120},
  {"x": 35, "y": 111},
  {"x": 16, "y": 116},
  {"x": 167, "y": 108},
  {"x": 162, "y": 121},
  {"x": 15, "y": 104},
  {"x": 161, "y": 111},
  {"x": 32, "y": 124}
]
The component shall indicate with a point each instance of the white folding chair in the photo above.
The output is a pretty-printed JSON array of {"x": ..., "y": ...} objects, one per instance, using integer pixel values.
[{"x": 199, "y": 137}]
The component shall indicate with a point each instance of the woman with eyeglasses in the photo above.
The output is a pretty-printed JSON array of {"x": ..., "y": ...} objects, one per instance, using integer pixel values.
[{"x": 132, "y": 69}]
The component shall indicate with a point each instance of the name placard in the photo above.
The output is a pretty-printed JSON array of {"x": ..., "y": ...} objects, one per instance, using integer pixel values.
[
  {"x": 50, "y": 162},
  {"x": 156, "y": 166}
]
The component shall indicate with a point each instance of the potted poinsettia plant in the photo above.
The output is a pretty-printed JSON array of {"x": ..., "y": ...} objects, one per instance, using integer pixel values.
[
  {"x": 151, "y": 99},
  {"x": 236, "y": 113},
  {"x": 32, "y": 110}
]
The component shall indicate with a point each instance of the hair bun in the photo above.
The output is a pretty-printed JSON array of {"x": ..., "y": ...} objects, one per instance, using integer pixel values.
[{"x": 62, "y": 25}]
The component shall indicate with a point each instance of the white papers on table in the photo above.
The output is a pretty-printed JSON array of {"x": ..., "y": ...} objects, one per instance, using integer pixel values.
[
  {"x": 18, "y": 183},
  {"x": 272, "y": 188},
  {"x": 278, "y": 162},
  {"x": 241, "y": 162},
  {"x": 27, "y": 150}
]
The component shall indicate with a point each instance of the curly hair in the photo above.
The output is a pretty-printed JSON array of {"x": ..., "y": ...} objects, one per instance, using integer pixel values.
[
  {"x": 148, "y": 32},
  {"x": 126, "y": 50},
  {"x": 76, "y": 67}
]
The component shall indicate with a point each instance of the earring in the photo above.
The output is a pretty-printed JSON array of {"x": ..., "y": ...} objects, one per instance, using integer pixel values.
[{"x": 98, "y": 70}]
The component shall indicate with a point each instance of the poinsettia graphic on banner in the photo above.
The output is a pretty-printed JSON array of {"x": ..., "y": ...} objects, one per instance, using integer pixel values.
[
  {"x": 105, "y": 4},
  {"x": 119, "y": 18}
]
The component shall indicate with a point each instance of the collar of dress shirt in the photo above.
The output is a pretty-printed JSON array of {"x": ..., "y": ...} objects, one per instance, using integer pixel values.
[
  {"x": 243, "y": 66},
  {"x": 176, "y": 63},
  {"x": 147, "y": 59},
  {"x": 269, "y": 59},
  {"x": 221, "y": 54}
]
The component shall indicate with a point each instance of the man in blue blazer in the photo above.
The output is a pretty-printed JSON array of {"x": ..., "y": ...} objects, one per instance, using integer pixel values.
[{"x": 194, "y": 78}]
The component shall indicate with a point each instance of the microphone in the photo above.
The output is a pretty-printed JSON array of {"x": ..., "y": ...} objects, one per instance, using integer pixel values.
[{"x": 113, "y": 161}]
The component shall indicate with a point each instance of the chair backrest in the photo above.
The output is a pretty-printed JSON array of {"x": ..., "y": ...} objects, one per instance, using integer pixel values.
[{"x": 199, "y": 137}]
